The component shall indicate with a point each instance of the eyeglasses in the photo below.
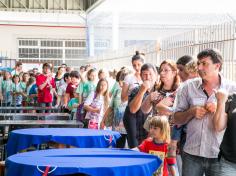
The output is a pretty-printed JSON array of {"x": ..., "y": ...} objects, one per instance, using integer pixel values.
[{"x": 164, "y": 70}]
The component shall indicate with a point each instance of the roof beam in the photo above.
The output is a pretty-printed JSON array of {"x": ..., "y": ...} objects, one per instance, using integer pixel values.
[
  {"x": 58, "y": 4},
  {"x": 68, "y": 6},
  {"x": 94, "y": 5},
  {"x": 21, "y": 4},
  {"x": 40, "y": 4},
  {"x": 78, "y": 2},
  {"x": 4, "y": 4}
]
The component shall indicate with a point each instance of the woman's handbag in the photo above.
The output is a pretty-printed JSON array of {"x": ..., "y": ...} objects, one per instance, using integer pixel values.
[
  {"x": 92, "y": 124},
  {"x": 80, "y": 113}
]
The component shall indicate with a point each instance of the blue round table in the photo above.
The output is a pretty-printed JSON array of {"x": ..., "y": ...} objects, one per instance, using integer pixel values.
[
  {"x": 91, "y": 161},
  {"x": 78, "y": 137}
]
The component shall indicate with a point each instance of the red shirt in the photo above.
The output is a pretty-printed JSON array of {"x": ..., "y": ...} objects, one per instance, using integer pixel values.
[
  {"x": 160, "y": 150},
  {"x": 44, "y": 95},
  {"x": 71, "y": 89}
]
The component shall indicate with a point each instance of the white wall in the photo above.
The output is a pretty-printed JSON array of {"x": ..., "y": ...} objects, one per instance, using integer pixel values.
[
  {"x": 15, "y": 25},
  {"x": 10, "y": 33}
]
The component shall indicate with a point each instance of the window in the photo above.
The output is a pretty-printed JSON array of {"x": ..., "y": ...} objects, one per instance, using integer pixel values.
[
  {"x": 75, "y": 44},
  {"x": 28, "y": 53},
  {"x": 52, "y": 43},
  {"x": 75, "y": 53},
  {"x": 51, "y": 53},
  {"x": 28, "y": 42},
  {"x": 51, "y": 48}
]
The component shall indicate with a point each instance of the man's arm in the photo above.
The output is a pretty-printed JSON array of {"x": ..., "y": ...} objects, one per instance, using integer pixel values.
[
  {"x": 181, "y": 118},
  {"x": 135, "y": 104},
  {"x": 220, "y": 118},
  {"x": 182, "y": 113},
  {"x": 147, "y": 105},
  {"x": 41, "y": 84},
  {"x": 41, "y": 87}
]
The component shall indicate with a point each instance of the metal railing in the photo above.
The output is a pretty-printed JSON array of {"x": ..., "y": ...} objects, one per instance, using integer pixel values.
[{"x": 221, "y": 37}]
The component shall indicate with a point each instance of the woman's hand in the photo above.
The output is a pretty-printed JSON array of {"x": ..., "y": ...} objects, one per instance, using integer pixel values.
[
  {"x": 163, "y": 106},
  {"x": 96, "y": 110},
  {"x": 167, "y": 101},
  {"x": 154, "y": 96}
]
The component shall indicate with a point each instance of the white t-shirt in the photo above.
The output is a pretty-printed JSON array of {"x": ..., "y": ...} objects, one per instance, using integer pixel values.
[
  {"x": 95, "y": 102},
  {"x": 132, "y": 82}
]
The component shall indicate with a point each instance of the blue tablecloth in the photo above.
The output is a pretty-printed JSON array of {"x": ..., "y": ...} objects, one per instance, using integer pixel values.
[
  {"x": 78, "y": 137},
  {"x": 91, "y": 161}
]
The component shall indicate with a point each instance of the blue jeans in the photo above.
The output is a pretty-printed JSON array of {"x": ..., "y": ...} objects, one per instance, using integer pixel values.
[
  {"x": 198, "y": 166},
  {"x": 45, "y": 105},
  {"x": 177, "y": 132},
  {"x": 227, "y": 168}
]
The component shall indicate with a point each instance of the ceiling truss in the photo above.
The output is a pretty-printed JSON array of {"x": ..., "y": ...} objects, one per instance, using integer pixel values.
[{"x": 66, "y": 6}]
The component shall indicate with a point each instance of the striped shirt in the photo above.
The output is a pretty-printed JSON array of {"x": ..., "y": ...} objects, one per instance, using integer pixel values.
[{"x": 201, "y": 140}]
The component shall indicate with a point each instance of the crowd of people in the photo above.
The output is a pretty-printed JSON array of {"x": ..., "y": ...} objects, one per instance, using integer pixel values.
[{"x": 185, "y": 107}]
